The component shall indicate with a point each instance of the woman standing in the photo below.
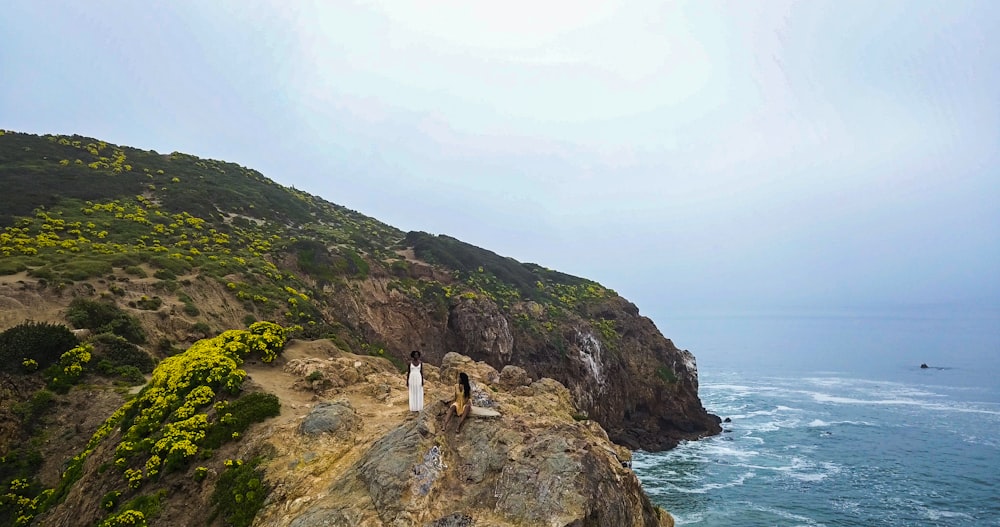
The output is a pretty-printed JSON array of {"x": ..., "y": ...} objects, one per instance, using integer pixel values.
[{"x": 415, "y": 382}]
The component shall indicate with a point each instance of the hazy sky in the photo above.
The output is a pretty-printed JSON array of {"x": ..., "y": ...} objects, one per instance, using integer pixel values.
[{"x": 692, "y": 155}]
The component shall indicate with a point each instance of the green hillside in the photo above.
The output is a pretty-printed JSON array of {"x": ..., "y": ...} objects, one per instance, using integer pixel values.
[{"x": 183, "y": 268}]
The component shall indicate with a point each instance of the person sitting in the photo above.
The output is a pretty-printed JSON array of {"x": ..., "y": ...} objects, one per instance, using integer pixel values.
[{"x": 462, "y": 404}]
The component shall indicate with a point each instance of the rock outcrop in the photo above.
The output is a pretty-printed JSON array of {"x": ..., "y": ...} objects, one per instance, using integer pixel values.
[
  {"x": 536, "y": 464},
  {"x": 620, "y": 370}
]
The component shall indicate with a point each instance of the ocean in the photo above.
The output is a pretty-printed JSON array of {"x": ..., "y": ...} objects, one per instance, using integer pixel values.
[{"x": 834, "y": 423}]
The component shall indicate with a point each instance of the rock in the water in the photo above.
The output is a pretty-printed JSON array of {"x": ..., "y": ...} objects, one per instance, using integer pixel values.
[{"x": 924, "y": 366}]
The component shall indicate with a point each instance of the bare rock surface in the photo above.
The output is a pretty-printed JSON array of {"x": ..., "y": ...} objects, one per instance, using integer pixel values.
[{"x": 534, "y": 465}]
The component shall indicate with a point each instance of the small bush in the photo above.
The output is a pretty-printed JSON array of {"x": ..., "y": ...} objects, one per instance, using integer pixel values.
[
  {"x": 173, "y": 265},
  {"x": 110, "y": 500},
  {"x": 104, "y": 317},
  {"x": 118, "y": 352},
  {"x": 164, "y": 345},
  {"x": 130, "y": 374},
  {"x": 251, "y": 408},
  {"x": 43, "y": 273},
  {"x": 135, "y": 270},
  {"x": 201, "y": 327},
  {"x": 164, "y": 274},
  {"x": 82, "y": 269},
  {"x": 32, "y": 410},
  {"x": 666, "y": 374},
  {"x": 189, "y": 307},
  {"x": 12, "y": 266},
  {"x": 126, "y": 260},
  {"x": 41, "y": 342},
  {"x": 239, "y": 493},
  {"x": 149, "y": 304}
]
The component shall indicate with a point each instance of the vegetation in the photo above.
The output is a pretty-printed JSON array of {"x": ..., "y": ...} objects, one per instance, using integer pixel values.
[
  {"x": 81, "y": 215},
  {"x": 105, "y": 317},
  {"x": 112, "y": 352},
  {"x": 240, "y": 492},
  {"x": 30, "y": 346},
  {"x": 193, "y": 402}
]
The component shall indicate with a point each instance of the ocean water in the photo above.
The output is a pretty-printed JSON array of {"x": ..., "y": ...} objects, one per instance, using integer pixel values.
[{"x": 833, "y": 422}]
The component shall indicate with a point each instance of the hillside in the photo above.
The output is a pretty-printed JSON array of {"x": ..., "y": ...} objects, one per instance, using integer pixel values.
[{"x": 155, "y": 252}]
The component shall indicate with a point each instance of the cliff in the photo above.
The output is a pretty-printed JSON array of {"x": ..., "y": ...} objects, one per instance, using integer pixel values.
[
  {"x": 147, "y": 255},
  {"x": 345, "y": 450},
  {"x": 191, "y": 246}
]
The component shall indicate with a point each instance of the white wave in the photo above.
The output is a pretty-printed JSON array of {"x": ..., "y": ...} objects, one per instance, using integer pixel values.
[
  {"x": 739, "y": 388},
  {"x": 937, "y": 514},
  {"x": 809, "y": 478},
  {"x": 785, "y": 515},
  {"x": 767, "y": 413},
  {"x": 827, "y": 398},
  {"x": 716, "y": 486},
  {"x": 815, "y": 423}
]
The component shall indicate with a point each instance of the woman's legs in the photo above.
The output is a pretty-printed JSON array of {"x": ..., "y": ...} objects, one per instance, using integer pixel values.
[
  {"x": 447, "y": 415},
  {"x": 463, "y": 415}
]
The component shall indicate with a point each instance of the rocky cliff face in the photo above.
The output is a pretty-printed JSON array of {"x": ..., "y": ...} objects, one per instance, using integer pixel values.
[
  {"x": 364, "y": 459},
  {"x": 619, "y": 369},
  {"x": 346, "y": 451}
]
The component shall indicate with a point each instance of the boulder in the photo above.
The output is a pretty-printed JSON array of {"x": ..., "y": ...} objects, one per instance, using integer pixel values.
[
  {"x": 514, "y": 376},
  {"x": 338, "y": 418}
]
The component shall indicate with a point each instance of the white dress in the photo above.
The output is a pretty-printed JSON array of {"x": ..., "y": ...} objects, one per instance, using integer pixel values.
[{"x": 416, "y": 388}]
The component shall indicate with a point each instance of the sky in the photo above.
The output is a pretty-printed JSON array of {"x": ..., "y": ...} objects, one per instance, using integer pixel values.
[{"x": 693, "y": 156}]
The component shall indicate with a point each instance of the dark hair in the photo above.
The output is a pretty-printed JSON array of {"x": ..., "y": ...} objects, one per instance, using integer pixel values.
[
  {"x": 414, "y": 354},
  {"x": 463, "y": 379}
]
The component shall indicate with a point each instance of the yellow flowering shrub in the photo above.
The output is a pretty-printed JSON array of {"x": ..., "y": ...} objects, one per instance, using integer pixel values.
[
  {"x": 129, "y": 518},
  {"x": 166, "y": 423}
]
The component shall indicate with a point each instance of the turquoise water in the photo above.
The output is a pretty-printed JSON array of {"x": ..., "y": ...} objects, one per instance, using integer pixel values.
[{"x": 855, "y": 435}]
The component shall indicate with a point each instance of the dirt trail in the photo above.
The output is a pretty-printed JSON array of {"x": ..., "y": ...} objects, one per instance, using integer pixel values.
[{"x": 382, "y": 402}]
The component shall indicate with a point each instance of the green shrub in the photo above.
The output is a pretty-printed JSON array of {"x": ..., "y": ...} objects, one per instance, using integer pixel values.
[
  {"x": 239, "y": 493},
  {"x": 12, "y": 266},
  {"x": 189, "y": 307},
  {"x": 39, "y": 341},
  {"x": 164, "y": 274},
  {"x": 102, "y": 317},
  {"x": 173, "y": 265},
  {"x": 82, "y": 268},
  {"x": 110, "y": 500},
  {"x": 118, "y": 352},
  {"x": 137, "y": 512},
  {"x": 666, "y": 374},
  {"x": 250, "y": 408},
  {"x": 32, "y": 410},
  {"x": 126, "y": 260},
  {"x": 43, "y": 273},
  {"x": 201, "y": 327},
  {"x": 149, "y": 304},
  {"x": 135, "y": 270},
  {"x": 130, "y": 374}
]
